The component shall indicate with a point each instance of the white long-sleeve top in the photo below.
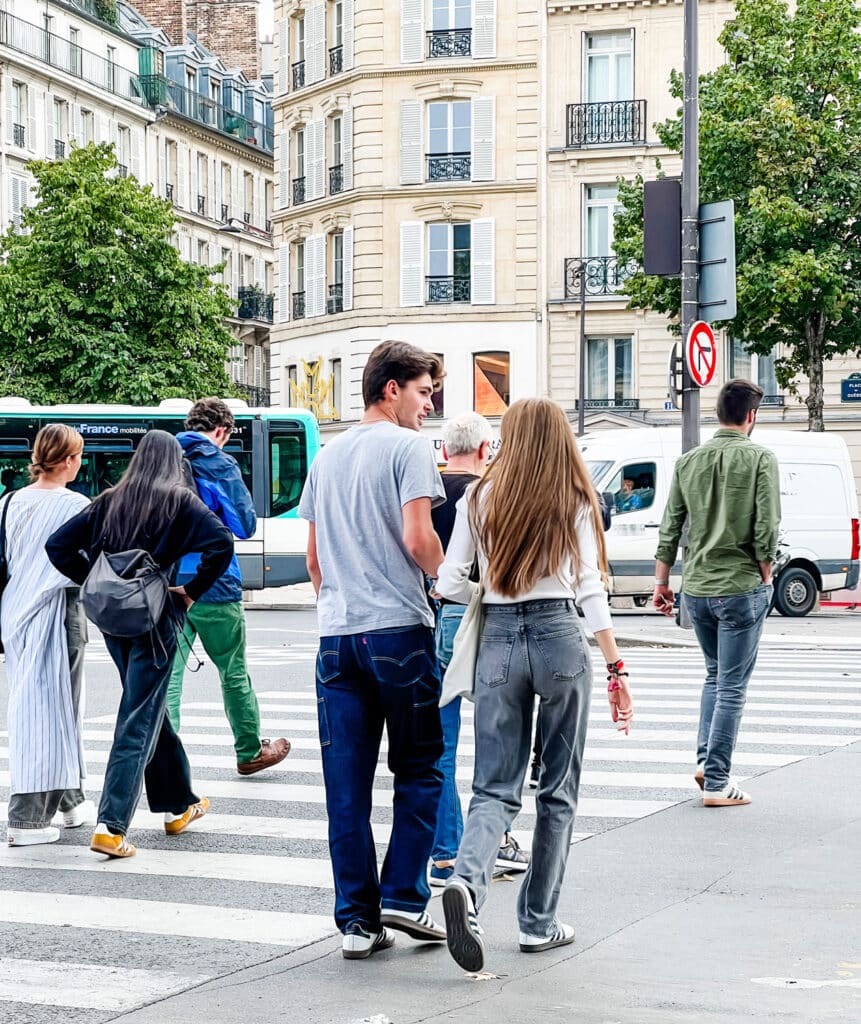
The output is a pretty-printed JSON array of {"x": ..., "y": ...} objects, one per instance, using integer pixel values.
[{"x": 587, "y": 590}]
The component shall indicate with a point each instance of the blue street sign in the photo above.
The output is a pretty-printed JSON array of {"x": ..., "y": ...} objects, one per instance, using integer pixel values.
[{"x": 850, "y": 389}]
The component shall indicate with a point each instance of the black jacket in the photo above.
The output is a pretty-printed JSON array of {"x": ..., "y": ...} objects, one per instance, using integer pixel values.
[{"x": 75, "y": 546}]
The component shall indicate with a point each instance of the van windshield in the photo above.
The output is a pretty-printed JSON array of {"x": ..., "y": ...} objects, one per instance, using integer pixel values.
[{"x": 597, "y": 470}]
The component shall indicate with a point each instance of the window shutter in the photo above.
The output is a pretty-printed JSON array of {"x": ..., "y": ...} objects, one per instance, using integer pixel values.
[
  {"x": 315, "y": 275},
  {"x": 32, "y": 100},
  {"x": 181, "y": 197},
  {"x": 484, "y": 28},
  {"x": 412, "y": 26},
  {"x": 283, "y": 55},
  {"x": 484, "y": 138},
  {"x": 234, "y": 294},
  {"x": 259, "y": 218},
  {"x": 49, "y": 126},
  {"x": 411, "y": 142},
  {"x": 258, "y": 366},
  {"x": 9, "y": 111},
  {"x": 315, "y": 44},
  {"x": 347, "y": 146},
  {"x": 482, "y": 290},
  {"x": 259, "y": 273},
  {"x": 284, "y": 170},
  {"x": 105, "y": 129},
  {"x": 283, "y": 285},
  {"x": 348, "y": 268},
  {"x": 135, "y": 147},
  {"x": 75, "y": 123},
  {"x": 194, "y": 186},
  {"x": 349, "y": 33},
  {"x": 17, "y": 198},
  {"x": 317, "y": 166},
  {"x": 412, "y": 270}
]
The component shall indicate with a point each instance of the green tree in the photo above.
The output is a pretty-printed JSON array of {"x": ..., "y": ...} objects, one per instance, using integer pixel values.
[
  {"x": 780, "y": 133},
  {"x": 96, "y": 305}
]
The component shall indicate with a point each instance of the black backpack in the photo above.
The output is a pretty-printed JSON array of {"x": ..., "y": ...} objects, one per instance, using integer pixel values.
[{"x": 125, "y": 593}]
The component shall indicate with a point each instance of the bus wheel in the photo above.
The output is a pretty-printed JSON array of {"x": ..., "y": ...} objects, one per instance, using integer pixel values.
[{"x": 795, "y": 592}]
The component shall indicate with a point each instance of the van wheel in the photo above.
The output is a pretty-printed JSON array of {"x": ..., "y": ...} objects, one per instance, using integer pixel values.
[{"x": 795, "y": 593}]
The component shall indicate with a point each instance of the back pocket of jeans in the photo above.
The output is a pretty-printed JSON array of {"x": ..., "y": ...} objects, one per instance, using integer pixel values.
[
  {"x": 494, "y": 659},
  {"x": 328, "y": 665},
  {"x": 563, "y": 653},
  {"x": 323, "y": 722}
]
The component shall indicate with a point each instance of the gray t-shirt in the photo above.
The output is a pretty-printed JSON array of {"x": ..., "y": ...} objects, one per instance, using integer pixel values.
[{"x": 354, "y": 494}]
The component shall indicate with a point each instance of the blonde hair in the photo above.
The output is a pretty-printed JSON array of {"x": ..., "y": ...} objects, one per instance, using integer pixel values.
[
  {"x": 54, "y": 443},
  {"x": 524, "y": 510}
]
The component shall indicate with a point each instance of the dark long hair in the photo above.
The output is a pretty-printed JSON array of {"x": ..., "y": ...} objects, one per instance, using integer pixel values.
[{"x": 147, "y": 498}]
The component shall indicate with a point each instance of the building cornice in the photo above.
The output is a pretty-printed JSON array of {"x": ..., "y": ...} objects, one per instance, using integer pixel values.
[
  {"x": 224, "y": 143},
  {"x": 448, "y": 209},
  {"x": 449, "y": 87},
  {"x": 579, "y": 6},
  {"x": 346, "y": 80},
  {"x": 297, "y": 230}
]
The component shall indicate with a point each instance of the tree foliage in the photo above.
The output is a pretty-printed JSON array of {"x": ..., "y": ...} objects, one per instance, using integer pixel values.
[
  {"x": 780, "y": 133},
  {"x": 96, "y": 305}
]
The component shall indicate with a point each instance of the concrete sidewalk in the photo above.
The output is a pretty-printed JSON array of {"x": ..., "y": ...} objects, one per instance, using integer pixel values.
[{"x": 691, "y": 915}]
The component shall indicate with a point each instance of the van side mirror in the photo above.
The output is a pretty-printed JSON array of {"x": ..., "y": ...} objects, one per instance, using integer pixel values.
[{"x": 609, "y": 499}]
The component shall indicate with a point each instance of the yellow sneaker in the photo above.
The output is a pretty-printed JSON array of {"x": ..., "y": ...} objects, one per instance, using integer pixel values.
[
  {"x": 176, "y": 823},
  {"x": 105, "y": 842}
]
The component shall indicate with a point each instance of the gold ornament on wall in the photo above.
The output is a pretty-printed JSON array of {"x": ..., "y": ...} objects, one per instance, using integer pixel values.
[{"x": 314, "y": 392}]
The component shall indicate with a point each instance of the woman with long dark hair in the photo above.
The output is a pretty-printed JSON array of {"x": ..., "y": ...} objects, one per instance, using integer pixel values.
[
  {"x": 534, "y": 522},
  {"x": 151, "y": 508},
  {"x": 44, "y": 632}
]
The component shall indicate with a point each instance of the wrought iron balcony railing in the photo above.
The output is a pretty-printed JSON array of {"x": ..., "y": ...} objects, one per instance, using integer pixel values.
[
  {"x": 608, "y": 403},
  {"x": 450, "y": 42},
  {"x": 267, "y": 227},
  {"x": 772, "y": 402},
  {"x": 298, "y": 74},
  {"x": 66, "y": 56},
  {"x": 122, "y": 170},
  {"x": 449, "y": 166},
  {"x": 336, "y": 179},
  {"x": 447, "y": 289},
  {"x": 298, "y": 305},
  {"x": 225, "y": 213},
  {"x": 605, "y": 275},
  {"x": 168, "y": 191},
  {"x": 335, "y": 299},
  {"x": 18, "y": 135},
  {"x": 246, "y": 217},
  {"x": 59, "y": 149},
  {"x": 621, "y": 122},
  {"x": 256, "y": 305},
  {"x": 255, "y": 396},
  {"x": 201, "y": 205},
  {"x": 298, "y": 190},
  {"x": 160, "y": 91},
  {"x": 336, "y": 60}
]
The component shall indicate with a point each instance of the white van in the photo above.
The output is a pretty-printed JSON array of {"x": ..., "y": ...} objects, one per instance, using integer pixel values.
[{"x": 633, "y": 469}]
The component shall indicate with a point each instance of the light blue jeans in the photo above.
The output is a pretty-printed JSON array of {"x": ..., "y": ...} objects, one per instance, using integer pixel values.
[
  {"x": 534, "y": 647},
  {"x": 449, "y": 822},
  {"x": 728, "y": 630}
]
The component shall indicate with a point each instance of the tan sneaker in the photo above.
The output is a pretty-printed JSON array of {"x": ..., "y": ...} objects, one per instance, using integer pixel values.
[
  {"x": 110, "y": 845},
  {"x": 272, "y": 752},
  {"x": 176, "y": 823}
]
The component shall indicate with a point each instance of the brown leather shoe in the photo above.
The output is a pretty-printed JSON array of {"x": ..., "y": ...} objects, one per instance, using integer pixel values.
[{"x": 272, "y": 752}]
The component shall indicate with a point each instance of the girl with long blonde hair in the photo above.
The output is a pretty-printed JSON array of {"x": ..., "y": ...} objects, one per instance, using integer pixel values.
[{"x": 534, "y": 523}]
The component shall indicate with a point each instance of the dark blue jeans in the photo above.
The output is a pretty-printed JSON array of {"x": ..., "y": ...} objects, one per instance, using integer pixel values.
[
  {"x": 728, "y": 630},
  {"x": 363, "y": 682},
  {"x": 145, "y": 749}
]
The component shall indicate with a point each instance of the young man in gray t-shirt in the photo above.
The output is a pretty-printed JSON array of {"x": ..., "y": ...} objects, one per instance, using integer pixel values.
[{"x": 368, "y": 502}]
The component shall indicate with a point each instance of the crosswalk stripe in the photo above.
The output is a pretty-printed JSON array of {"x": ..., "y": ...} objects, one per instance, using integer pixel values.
[
  {"x": 265, "y": 869},
  {"x": 283, "y": 792},
  {"x": 153, "y": 917},
  {"x": 88, "y": 986}
]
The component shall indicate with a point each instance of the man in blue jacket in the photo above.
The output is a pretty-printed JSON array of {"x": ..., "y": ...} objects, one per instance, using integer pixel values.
[{"x": 217, "y": 617}]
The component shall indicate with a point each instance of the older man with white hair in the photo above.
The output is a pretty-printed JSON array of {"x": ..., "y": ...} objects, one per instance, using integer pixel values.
[{"x": 466, "y": 447}]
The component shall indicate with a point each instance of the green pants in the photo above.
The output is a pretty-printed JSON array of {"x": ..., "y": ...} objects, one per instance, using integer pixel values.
[{"x": 221, "y": 628}]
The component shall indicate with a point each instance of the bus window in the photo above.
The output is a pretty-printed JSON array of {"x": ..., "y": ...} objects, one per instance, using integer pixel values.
[
  {"x": 13, "y": 471},
  {"x": 288, "y": 466},
  {"x": 245, "y": 461}
]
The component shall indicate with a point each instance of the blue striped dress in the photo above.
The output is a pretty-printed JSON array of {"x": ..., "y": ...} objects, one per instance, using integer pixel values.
[{"x": 45, "y": 749}]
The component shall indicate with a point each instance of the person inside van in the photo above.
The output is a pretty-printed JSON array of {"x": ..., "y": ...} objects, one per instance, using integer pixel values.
[{"x": 627, "y": 500}]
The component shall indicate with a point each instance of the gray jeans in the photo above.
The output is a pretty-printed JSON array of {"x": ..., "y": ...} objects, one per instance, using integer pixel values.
[
  {"x": 535, "y": 647},
  {"x": 728, "y": 630},
  {"x": 36, "y": 810}
]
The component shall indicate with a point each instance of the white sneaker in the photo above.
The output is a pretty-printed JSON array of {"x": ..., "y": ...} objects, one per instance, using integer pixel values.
[
  {"x": 418, "y": 925},
  {"x": 32, "y": 836},
  {"x": 563, "y": 935},
  {"x": 83, "y": 814},
  {"x": 464, "y": 932},
  {"x": 359, "y": 944},
  {"x": 729, "y": 796}
]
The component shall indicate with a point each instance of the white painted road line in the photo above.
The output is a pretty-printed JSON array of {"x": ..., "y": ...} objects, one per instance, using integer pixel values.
[
  {"x": 150, "y": 917},
  {"x": 88, "y": 986}
]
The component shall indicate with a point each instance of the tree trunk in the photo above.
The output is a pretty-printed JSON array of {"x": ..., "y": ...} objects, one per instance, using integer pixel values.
[{"x": 814, "y": 331}]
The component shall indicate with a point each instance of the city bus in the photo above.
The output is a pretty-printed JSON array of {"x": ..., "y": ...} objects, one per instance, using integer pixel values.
[{"x": 274, "y": 448}]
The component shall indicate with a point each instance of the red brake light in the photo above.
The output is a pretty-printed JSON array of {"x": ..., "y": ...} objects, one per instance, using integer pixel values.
[{"x": 856, "y": 540}]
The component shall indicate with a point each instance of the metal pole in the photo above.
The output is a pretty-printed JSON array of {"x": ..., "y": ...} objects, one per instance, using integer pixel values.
[
  {"x": 581, "y": 404},
  {"x": 690, "y": 217}
]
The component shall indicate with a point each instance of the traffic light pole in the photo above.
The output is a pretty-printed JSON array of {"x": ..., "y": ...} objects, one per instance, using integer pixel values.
[{"x": 690, "y": 218}]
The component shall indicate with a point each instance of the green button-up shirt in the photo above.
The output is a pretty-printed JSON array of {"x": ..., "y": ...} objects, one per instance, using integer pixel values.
[{"x": 728, "y": 493}]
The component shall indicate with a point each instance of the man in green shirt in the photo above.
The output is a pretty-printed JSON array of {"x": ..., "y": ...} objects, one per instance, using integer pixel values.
[{"x": 727, "y": 494}]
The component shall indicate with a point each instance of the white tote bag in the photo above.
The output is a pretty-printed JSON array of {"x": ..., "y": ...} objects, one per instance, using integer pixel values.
[{"x": 459, "y": 678}]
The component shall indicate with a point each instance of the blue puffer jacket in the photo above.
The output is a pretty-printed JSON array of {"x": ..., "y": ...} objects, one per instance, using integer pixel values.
[{"x": 220, "y": 486}]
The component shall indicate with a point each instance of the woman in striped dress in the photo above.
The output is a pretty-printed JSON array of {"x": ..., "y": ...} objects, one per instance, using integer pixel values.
[{"x": 40, "y": 611}]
